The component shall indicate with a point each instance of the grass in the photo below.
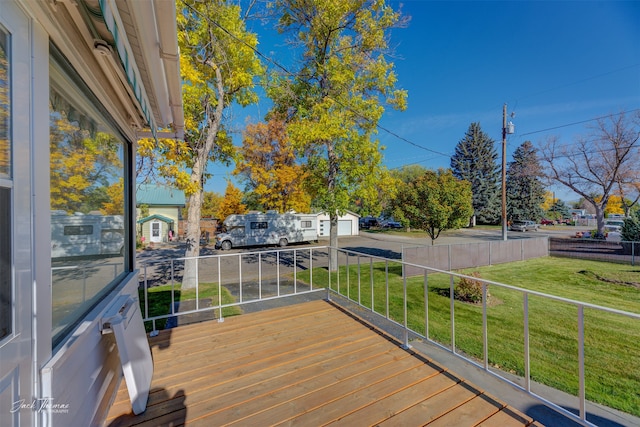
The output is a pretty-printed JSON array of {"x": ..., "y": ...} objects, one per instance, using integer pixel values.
[
  {"x": 160, "y": 301},
  {"x": 611, "y": 341}
]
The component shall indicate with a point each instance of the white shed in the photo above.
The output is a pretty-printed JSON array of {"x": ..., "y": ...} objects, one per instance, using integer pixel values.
[{"x": 347, "y": 224}]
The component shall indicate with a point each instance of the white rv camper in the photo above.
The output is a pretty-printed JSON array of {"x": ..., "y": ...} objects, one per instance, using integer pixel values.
[
  {"x": 86, "y": 235},
  {"x": 270, "y": 228}
]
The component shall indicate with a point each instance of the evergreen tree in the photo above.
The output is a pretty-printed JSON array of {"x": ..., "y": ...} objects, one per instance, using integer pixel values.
[
  {"x": 559, "y": 210},
  {"x": 525, "y": 191},
  {"x": 475, "y": 161}
]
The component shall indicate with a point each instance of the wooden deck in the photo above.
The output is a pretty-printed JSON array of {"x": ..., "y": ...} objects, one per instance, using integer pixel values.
[{"x": 308, "y": 364}]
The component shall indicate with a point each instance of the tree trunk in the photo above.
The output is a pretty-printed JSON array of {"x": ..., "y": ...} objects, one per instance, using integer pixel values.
[
  {"x": 600, "y": 217},
  {"x": 190, "y": 276},
  {"x": 333, "y": 241},
  {"x": 192, "y": 251}
]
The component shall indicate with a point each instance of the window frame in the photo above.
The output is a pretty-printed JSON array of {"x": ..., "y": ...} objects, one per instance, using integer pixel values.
[
  {"x": 127, "y": 173},
  {"x": 7, "y": 283}
]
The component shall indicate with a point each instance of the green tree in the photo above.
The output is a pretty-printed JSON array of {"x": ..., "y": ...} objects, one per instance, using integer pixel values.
[
  {"x": 525, "y": 191},
  {"x": 211, "y": 204},
  {"x": 434, "y": 202},
  {"x": 559, "y": 210},
  {"x": 400, "y": 176},
  {"x": 631, "y": 228},
  {"x": 475, "y": 161},
  {"x": 408, "y": 173},
  {"x": 218, "y": 66},
  {"x": 336, "y": 97}
]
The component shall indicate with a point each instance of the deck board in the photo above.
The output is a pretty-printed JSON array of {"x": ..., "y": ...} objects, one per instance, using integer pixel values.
[{"x": 307, "y": 364}]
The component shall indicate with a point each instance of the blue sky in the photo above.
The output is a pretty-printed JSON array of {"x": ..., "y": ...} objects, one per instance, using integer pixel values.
[{"x": 553, "y": 63}]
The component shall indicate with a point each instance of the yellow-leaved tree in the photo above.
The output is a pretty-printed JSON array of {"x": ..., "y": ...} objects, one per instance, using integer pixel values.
[
  {"x": 82, "y": 164},
  {"x": 114, "y": 205},
  {"x": 231, "y": 203},
  {"x": 335, "y": 97},
  {"x": 549, "y": 200},
  {"x": 218, "y": 66},
  {"x": 268, "y": 166}
]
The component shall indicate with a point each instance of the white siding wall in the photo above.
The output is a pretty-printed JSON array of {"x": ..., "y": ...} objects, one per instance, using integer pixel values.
[{"x": 86, "y": 371}]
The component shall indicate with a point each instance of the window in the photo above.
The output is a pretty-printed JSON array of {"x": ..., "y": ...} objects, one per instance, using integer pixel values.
[
  {"x": 305, "y": 224},
  {"x": 78, "y": 230},
  {"x": 6, "y": 278},
  {"x": 88, "y": 160},
  {"x": 259, "y": 225}
]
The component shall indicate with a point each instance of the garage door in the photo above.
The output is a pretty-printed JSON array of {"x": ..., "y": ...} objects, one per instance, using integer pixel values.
[{"x": 344, "y": 227}]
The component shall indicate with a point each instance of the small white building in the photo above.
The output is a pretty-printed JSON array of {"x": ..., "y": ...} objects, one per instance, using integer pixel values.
[{"x": 348, "y": 224}]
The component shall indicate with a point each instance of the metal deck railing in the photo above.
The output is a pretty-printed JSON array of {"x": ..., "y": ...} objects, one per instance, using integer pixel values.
[{"x": 381, "y": 287}]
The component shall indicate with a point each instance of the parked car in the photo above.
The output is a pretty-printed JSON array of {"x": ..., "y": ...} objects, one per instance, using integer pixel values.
[
  {"x": 368, "y": 222},
  {"x": 524, "y": 225},
  {"x": 545, "y": 221},
  {"x": 391, "y": 224},
  {"x": 613, "y": 225}
]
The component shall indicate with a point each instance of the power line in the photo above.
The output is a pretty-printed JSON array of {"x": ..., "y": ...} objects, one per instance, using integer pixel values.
[{"x": 578, "y": 123}]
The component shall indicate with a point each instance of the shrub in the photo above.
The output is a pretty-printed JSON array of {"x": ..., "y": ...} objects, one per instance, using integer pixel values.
[
  {"x": 630, "y": 231},
  {"x": 469, "y": 290}
]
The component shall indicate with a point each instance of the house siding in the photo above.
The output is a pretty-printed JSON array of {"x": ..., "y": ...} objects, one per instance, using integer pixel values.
[{"x": 82, "y": 369}]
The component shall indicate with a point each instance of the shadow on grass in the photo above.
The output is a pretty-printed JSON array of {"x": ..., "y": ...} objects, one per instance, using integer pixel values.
[{"x": 168, "y": 302}]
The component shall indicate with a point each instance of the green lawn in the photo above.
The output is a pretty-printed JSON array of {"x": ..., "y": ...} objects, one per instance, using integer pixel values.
[
  {"x": 612, "y": 354},
  {"x": 160, "y": 300}
]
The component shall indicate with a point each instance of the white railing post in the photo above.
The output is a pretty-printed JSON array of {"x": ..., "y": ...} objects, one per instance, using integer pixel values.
[
  {"x": 84, "y": 284},
  {"x": 581, "y": 385},
  {"x": 197, "y": 285},
  {"x": 173, "y": 294},
  {"x": 359, "y": 300},
  {"x": 386, "y": 286},
  {"x": 527, "y": 350},
  {"x": 220, "y": 318},
  {"x": 452, "y": 314},
  {"x": 240, "y": 276},
  {"x": 311, "y": 268},
  {"x": 348, "y": 281},
  {"x": 260, "y": 275},
  {"x": 278, "y": 270},
  {"x": 295, "y": 271},
  {"x": 146, "y": 294},
  {"x": 404, "y": 303},
  {"x": 337, "y": 268},
  {"x": 371, "y": 284},
  {"x": 485, "y": 329},
  {"x": 426, "y": 305}
]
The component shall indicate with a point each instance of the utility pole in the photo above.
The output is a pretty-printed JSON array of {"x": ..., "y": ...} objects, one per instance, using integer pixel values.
[
  {"x": 506, "y": 129},
  {"x": 504, "y": 172}
]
